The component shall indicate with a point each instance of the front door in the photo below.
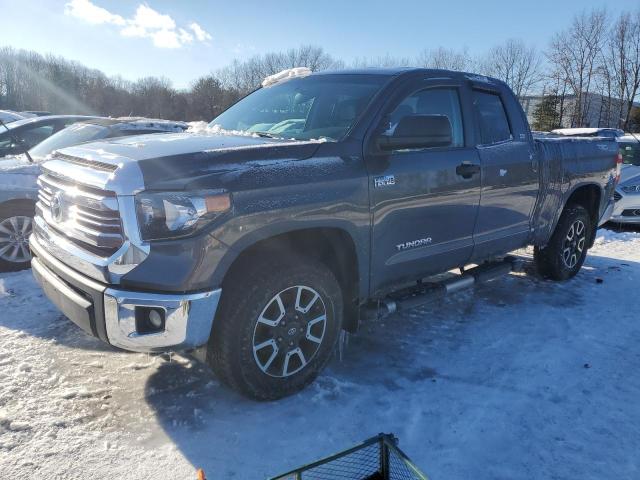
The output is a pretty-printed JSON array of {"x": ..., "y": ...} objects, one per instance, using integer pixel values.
[{"x": 424, "y": 202}]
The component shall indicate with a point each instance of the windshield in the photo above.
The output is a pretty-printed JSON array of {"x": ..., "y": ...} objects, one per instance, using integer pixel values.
[
  {"x": 630, "y": 153},
  {"x": 72, "y": 135},
  {"x": 322, "y": 106}
]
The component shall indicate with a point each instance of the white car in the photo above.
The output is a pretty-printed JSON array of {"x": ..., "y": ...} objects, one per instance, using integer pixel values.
[{"x": 627, "y": 195}]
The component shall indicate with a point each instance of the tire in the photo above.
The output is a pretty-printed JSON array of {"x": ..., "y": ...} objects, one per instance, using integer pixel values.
[
  {"x": 566, "y": 251},
  {"x": 256, "y": 350},
  {"x": 16, "y": 222}
]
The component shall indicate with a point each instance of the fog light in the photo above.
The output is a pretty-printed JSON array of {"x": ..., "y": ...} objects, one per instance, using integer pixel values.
[
  {"x": 155, "y": 318},
  {"x": 150, "y": 320}
]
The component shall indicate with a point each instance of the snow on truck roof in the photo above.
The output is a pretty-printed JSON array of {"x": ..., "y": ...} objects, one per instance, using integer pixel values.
[{"x": 287, "y": 74}]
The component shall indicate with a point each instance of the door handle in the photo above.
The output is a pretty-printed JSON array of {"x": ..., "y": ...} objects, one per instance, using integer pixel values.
[{"x": 467, "y": 170}]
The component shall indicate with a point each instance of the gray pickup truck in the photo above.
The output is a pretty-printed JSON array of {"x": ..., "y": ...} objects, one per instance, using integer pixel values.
[{"x": 305, "y": 206}]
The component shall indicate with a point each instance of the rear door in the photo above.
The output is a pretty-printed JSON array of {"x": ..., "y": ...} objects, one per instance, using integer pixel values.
[
  {"x": 424, "y": 205},
  {"x": 510, "y": 180}
]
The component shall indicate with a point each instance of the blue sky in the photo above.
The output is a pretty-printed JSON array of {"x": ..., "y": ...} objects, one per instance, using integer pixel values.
[{"x": 158, "y": 37}]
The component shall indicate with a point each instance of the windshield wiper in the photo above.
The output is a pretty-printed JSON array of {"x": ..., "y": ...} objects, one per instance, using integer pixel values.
[{"x": 17, "y": 142}]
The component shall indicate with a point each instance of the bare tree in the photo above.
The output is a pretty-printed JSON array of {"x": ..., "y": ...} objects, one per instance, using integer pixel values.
[
  {"x": 624, "y": 57},
  {"x": 382, "y": 61},
  {"x": 445, "y": 58},
  {"x": 247, "y": 75},
  {"x": 513, "y": 62},
  {"x": 576, "y": 52}
]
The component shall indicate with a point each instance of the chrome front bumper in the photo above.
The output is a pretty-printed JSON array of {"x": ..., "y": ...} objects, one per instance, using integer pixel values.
[
  {"x": 188, "y": 319},
  {"x": 109, "y": 313}
]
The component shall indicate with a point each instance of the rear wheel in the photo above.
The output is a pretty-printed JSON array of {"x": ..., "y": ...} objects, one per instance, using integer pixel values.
[
  {"x": 276, "y": 327},
  {"x": 16, "y": 223},
  {"x": 563, "y": 257}
]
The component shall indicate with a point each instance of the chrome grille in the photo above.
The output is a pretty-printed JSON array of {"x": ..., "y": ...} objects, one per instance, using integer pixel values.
[{"x": 87, "y": 216}]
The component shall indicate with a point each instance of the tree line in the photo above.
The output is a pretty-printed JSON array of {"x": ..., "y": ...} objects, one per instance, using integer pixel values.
[{"x": 595, "y": 57}]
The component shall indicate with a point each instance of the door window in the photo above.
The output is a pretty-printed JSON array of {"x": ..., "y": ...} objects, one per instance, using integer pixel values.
[
  {"x": 433, "y": 101},
  {"x": 494, "y": 125}
]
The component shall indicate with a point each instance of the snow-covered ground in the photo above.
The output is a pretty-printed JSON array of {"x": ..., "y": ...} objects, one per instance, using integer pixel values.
[{"x": 519, "y": 379}]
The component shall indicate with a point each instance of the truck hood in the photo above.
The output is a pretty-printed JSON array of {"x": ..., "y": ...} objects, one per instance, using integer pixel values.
[{"x": 183, "y": 160}]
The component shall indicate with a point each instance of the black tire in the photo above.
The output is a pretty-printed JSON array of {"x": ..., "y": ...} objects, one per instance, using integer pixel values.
[
  {"x": 18, "y": 212},
  {"x": 562, "y": 258},
  {"x": 251, "y": 293}
]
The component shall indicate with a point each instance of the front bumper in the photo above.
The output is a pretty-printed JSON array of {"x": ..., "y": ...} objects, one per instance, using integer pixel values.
[
  {"x": 627, "y": 209},
  {"x": 109, "y": 313}
]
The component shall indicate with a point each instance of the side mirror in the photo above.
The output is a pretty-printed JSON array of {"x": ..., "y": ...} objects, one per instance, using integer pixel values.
[{"x": 418, "y": 131}]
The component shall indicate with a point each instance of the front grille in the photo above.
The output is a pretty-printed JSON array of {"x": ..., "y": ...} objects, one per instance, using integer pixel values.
[
  {"x": 631, "y": 213},
  {"x": 87, "y": 216},
  {"x": 617, "y": 197}
]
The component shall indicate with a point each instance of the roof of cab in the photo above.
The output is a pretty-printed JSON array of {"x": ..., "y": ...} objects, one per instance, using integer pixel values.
[{"x": 430, "y": 72}]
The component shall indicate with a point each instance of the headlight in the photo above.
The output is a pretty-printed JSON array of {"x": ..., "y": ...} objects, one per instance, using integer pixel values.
[
  {"x": 163, "y": 215},
  {"x": 631, "y": 189}
]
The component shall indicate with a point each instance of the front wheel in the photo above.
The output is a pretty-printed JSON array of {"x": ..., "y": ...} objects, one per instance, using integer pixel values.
[
  {"x": 276, "y": 327},
  {"x": 567, "y": 249}
]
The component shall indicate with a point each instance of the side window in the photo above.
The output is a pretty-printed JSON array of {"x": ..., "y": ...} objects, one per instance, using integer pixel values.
[
  {"x": 494, "y": 125},
  {"x": 432, "y": 101}
]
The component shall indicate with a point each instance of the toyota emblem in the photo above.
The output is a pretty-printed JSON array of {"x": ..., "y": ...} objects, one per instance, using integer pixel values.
[{"x": 56, "y": 207}]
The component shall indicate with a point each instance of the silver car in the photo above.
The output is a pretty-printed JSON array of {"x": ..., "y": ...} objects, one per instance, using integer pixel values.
[
  {"x": 18, "y": 178},
  {"x": 627, "y": 195}
]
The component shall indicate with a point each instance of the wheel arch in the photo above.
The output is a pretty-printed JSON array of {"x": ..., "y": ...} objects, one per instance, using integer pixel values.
[{"x": 334, "y": 246}]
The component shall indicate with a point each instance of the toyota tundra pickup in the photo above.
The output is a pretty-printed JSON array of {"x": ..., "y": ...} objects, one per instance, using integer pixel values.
[{"x": 303, "y": 206}]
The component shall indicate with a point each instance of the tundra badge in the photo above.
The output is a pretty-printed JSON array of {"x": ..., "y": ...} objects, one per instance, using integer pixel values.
[
  {"x": 384, "y": 181},
  {"x": 421, "y": 242}
]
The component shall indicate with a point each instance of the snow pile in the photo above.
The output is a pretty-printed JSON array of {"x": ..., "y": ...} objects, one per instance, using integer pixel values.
[
  {"x": 606, "y": 236},
  {"x": 205, "y": 128},
  {"x": 287, "y": 74}
]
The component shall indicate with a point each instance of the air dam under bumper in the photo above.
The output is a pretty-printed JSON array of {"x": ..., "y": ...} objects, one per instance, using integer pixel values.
[{"x": 109, "y": 313}]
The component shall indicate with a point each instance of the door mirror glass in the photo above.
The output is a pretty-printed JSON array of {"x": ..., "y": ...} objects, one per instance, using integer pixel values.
[{"x": 418, "y": 131}]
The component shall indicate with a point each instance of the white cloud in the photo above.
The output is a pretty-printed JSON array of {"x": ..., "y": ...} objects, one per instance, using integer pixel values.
[
  {"x": 146, "y": 17},
  {"x": 91, "y": 13},
  {"x": 146, "y": 23},
  {"x": 201, "y": 35}
]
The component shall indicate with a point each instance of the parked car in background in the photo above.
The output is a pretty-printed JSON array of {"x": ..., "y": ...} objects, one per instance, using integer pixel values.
[
  {"x": 589, "y": 132},
  {"x": 627, "y": 196},
  {"x": 309, "y": 202},
  {"x": 35, "y": 113},
  {"x": 25, "y": 134},
  {"x": 8, "y": 116},
  {"x": 18, "y": 177}
]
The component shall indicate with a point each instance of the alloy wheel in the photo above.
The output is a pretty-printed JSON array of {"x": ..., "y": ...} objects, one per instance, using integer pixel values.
[
  {"x": 289, "y": 331},
  {"x": 14, "y": 239},
  {"x": 573, "y": 244}
]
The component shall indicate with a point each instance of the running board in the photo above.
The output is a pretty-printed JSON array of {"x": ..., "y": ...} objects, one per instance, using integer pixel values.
[{"x": 434, "y": 291}]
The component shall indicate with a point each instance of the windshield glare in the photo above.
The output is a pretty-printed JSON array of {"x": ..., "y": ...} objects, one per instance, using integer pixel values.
[
  {"x": 72, "y": 135},
  {"x": 315, "y": 107}
]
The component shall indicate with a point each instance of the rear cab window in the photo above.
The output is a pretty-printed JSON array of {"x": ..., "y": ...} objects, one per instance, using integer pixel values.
[{"x": 492, "y": 118}]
